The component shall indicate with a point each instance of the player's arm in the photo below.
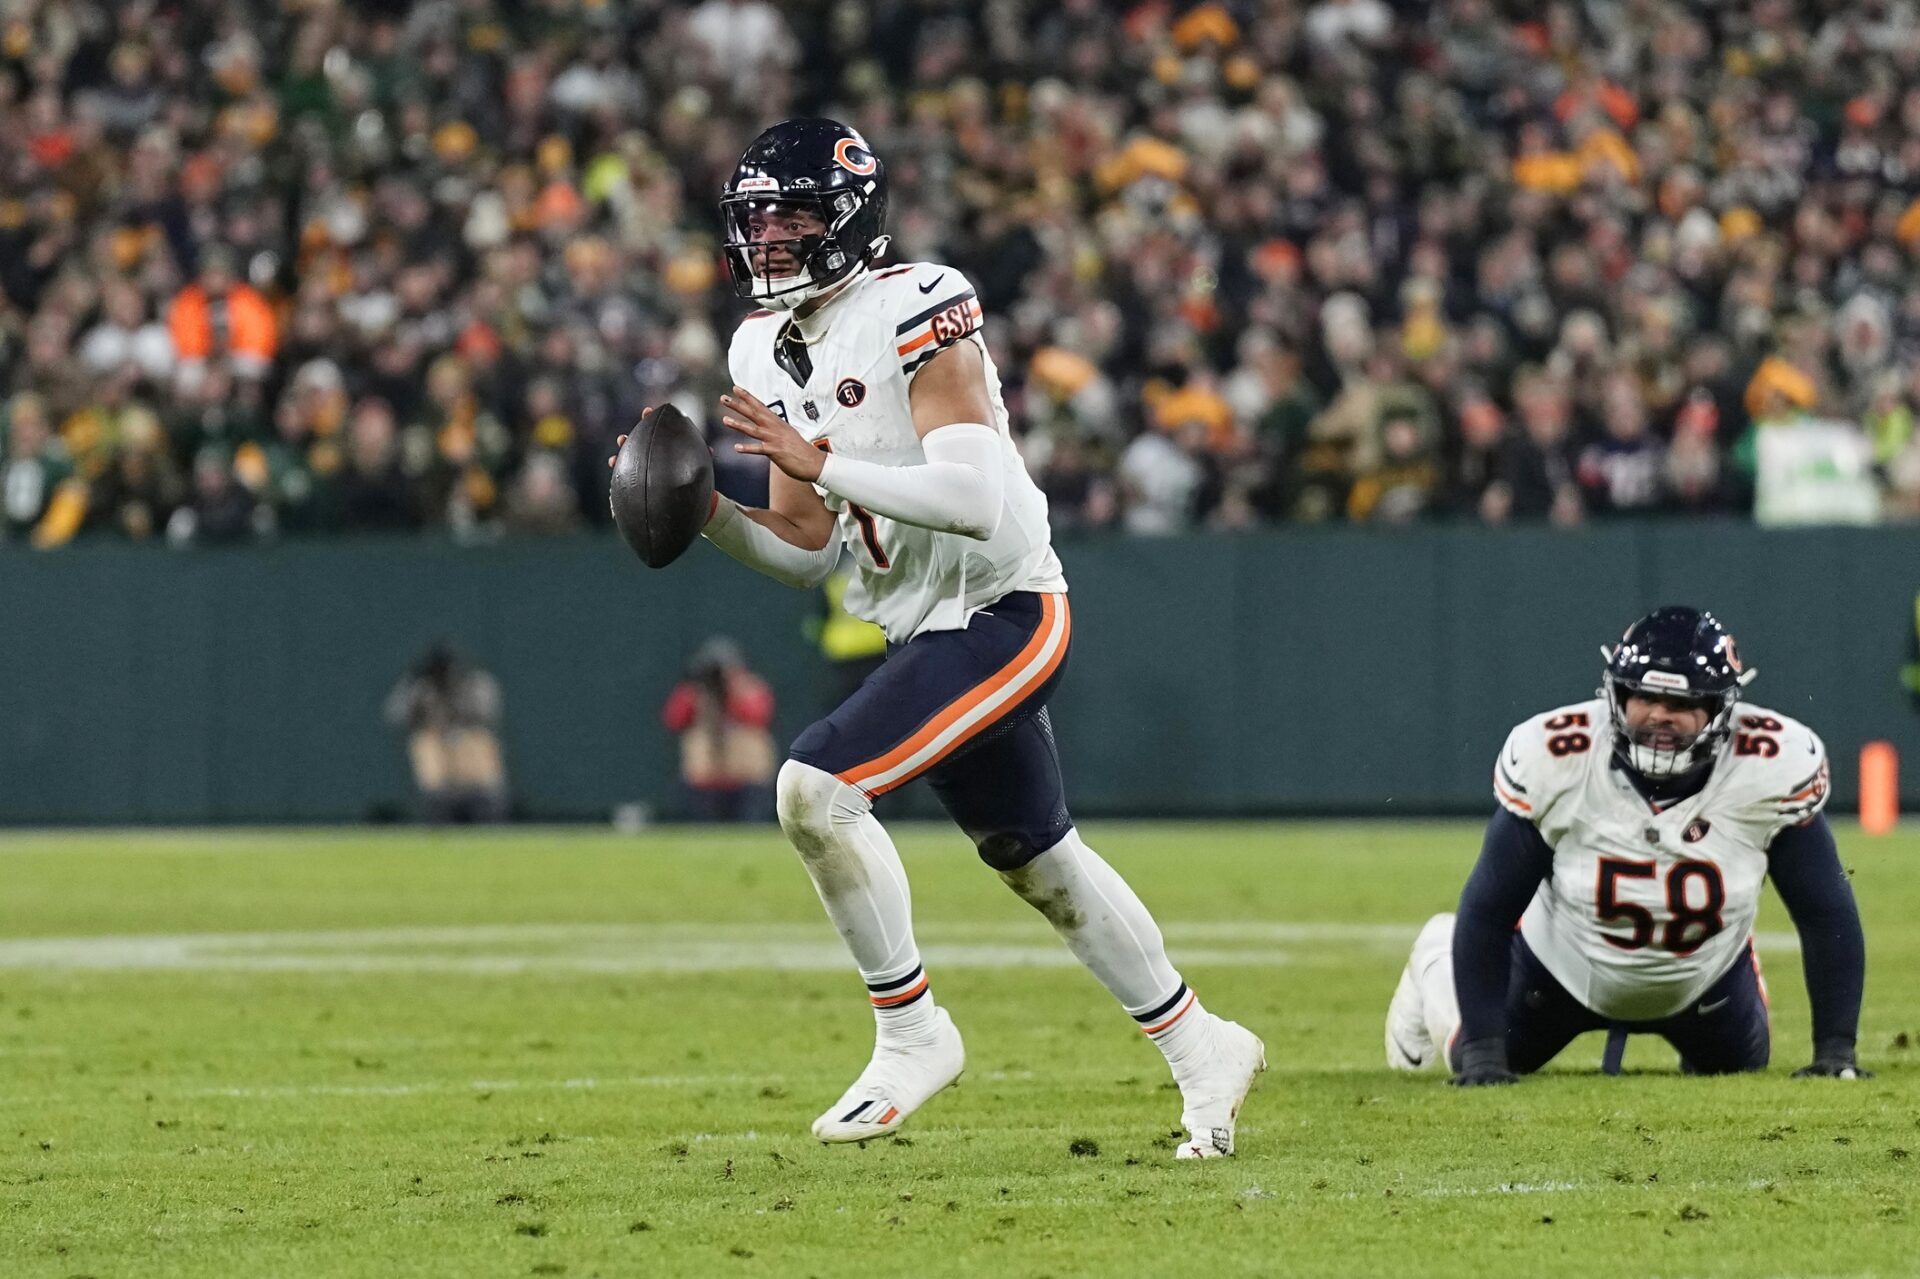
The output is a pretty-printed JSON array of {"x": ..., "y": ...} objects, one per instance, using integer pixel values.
[
  {"x": 1513, "y": 860},
  {"x": 958, "y": 489},
  {"x": 961, "y": 487},
  {"x": 791, "y": 541},
  {"x": 1805, "y": 867}
]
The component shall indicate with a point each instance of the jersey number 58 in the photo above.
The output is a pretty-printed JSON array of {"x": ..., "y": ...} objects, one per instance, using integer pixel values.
[{"x": 1687, "y": 927}]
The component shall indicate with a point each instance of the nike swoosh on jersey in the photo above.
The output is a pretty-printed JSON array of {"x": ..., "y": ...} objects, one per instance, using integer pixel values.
[{"x": 928, "y": 287}]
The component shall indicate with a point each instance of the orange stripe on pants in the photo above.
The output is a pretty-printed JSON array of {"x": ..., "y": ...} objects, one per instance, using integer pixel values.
[{"x": 1051, "y": 607}]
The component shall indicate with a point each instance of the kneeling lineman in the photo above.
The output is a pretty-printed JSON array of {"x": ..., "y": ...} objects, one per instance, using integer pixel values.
[{"x": 1631, "y": 840}]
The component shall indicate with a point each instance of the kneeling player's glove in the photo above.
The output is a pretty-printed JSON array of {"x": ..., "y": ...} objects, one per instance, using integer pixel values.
[
  {"x": 1480, "y": 1062},
  {"x": 1833, "y": 1059}
]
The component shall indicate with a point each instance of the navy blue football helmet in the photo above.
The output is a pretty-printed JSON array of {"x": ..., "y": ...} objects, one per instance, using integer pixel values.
[
  {"x": 814, "y": 166},
  {"x": 1681, "y": 655}
]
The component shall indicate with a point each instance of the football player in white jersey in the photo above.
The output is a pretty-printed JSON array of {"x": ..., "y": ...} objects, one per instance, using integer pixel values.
[
  {"x": 871, "y": 392},
  {"x": 1620, "y": 876}
]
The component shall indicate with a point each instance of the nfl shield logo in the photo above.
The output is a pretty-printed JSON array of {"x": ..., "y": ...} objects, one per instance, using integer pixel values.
[{"x": 813, "y": 411}]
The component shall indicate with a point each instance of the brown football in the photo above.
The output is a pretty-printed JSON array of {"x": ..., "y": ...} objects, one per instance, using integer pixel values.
[{"x": 662, "y": 486}]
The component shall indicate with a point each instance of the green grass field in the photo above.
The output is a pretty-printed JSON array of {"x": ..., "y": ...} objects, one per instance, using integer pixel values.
[{"x": 567, "y": 1053}]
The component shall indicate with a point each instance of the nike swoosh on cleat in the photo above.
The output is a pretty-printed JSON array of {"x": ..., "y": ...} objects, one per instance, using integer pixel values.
[
  {"x": 928, "y": 288},
  {"x": 1401, "y": 1044}
]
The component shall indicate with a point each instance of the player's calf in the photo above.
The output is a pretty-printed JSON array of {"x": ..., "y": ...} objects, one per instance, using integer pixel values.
[
  {"x": 858, "y": 875},
  {"x": 860, "y": 880},
  {"x": 1107, "y": 927}
]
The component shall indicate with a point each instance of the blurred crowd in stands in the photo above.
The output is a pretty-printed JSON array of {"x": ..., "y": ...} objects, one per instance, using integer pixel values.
[{"x": 272, "y": 266}]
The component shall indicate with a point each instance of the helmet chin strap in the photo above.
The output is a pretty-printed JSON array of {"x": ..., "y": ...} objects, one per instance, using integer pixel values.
[
  {"x": 793, "y": 299},
  {"x": 1660, "y": 763},
  {"x": 767, "y": 291},
  {"x": 811, "y": 326}
]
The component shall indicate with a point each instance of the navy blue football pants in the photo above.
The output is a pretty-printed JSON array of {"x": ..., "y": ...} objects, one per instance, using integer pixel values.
[
  {"x": 967, "y": 710},
  {"x": 1726, "y": 1029}
]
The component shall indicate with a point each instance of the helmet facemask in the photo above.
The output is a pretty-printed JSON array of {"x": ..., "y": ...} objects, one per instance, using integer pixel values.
[
  {"x": 821, "y": 259},
  {"x": 1678, "y": 754}
]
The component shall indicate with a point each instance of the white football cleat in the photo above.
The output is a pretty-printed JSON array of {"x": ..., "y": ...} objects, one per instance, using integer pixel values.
[
  {"x": 1409, "y": 1046},
  {"x": 1409, "y": 1041},
  {"x": 897, "y": 1082},
  {"x": 1213, "y": 1089}
]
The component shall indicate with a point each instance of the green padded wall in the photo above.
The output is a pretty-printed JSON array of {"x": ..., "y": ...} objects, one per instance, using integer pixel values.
[{"x": 1295, "y": 671}]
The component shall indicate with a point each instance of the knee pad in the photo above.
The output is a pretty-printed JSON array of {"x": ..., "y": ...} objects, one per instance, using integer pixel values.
[
  {"x": 803, "y": 795},
  {"x": 810, "y": 800},
  {"x": 1005, "y": 850}
]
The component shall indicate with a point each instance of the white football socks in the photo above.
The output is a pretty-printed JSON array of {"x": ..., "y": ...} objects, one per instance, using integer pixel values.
[
  {"x": 1108, "y": 929},
  {"x": 858, "y": 874}
]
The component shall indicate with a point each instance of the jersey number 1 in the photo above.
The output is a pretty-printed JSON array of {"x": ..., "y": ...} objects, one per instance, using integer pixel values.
[
  {"x": 864, "y": 518},
  {"x": 1682, "y": 917}
]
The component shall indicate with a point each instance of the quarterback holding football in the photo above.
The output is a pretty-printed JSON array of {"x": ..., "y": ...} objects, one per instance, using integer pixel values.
[
  {"x": 871, "y": 392},
  {"x": 1621, "y": 873}
]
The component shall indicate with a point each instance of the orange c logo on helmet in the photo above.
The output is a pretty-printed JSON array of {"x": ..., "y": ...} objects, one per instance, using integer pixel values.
[
  {"x": 1733, "y": 658},
  {"x": 843, "y": 156}
]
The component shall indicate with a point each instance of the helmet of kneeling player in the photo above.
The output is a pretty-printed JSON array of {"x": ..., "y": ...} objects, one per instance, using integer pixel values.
[
  {"x": 1677, "y": 655},
  {"x": 805, "y": 209}
]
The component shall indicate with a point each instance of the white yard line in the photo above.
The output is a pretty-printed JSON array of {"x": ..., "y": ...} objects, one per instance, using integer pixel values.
[
  {"x": 680, "y": 947},
  {"x": 143, "y": 954}
]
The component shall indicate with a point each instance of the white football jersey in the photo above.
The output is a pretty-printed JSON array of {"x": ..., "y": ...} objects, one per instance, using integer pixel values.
[
  {"x": 1648, "y": 906},
  {"x": 881, "y": 330}
]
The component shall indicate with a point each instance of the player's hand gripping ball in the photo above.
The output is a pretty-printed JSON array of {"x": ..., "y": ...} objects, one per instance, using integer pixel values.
[
  {"x": 662, "y": 486},
  {"x": 773, "y": 438}
]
